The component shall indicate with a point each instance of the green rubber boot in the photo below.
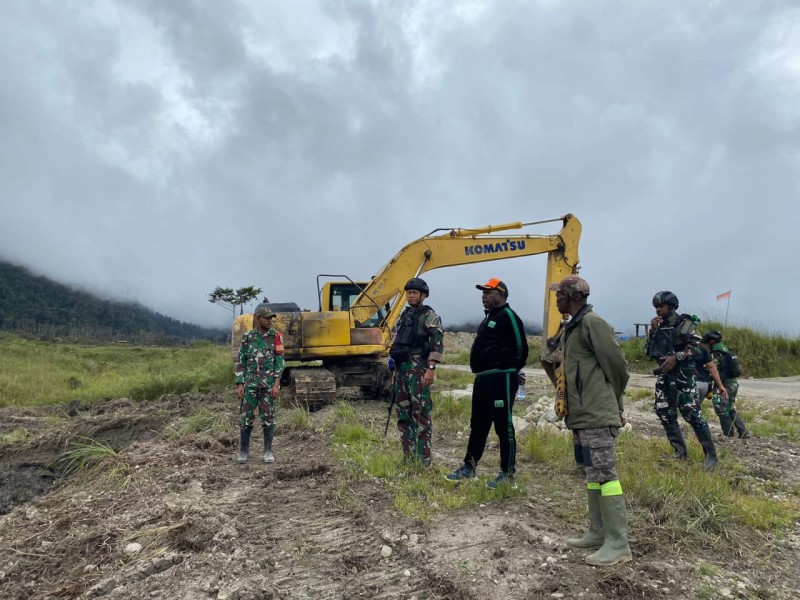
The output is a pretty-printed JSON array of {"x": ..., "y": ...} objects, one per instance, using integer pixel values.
[
  {"x": 615, "y": 549},
  {"x": 595, "y": 537}
]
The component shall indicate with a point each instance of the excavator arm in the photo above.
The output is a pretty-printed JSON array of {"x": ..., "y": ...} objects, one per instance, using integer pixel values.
[{"x": 467, "y": 246}]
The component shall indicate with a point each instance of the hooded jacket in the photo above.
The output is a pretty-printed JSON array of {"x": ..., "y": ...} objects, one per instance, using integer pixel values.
[{"x": 596, "y": 372}]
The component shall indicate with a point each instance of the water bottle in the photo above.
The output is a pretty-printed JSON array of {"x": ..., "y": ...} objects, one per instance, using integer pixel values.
[{"x": 521, "y": 388}]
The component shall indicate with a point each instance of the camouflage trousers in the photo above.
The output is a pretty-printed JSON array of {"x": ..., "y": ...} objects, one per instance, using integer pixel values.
[
  {"x": 675, "y": 392},
  {"x": 414, "y": 407},
  {"x": 596, "y": 449},
  {"x": 257, "y": 398},
  {"x": 722, "y": 407}
]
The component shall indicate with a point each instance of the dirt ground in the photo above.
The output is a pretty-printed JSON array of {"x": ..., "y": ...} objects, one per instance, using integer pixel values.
[{"x": 193, "y": 524}]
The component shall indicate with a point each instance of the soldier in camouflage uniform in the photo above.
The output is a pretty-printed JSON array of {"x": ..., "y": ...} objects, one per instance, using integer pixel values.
[
  {"x": 670, "y": 343},
  {"x": 416, "y": 350},
  {"x": 724, "y": 398},
  {"x": 258, "y": 375}
]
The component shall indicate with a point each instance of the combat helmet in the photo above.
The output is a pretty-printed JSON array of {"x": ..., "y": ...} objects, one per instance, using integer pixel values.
[
  {"x": 665, "y": 297},
  {"x": 415, "y": 283},
  {"x": 713, "y": 336}
]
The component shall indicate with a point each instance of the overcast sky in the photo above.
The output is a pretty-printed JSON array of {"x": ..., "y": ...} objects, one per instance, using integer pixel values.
[{"x": 154, "y": 150}]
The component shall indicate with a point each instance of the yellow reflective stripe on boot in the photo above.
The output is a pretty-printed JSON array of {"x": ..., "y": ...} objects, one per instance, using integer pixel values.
[
  {"x": 611, "y": 488},
  {"x": 593, "y": 486}
]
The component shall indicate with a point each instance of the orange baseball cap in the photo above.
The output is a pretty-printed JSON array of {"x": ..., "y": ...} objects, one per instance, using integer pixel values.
[{"x": 494, "y": 284}]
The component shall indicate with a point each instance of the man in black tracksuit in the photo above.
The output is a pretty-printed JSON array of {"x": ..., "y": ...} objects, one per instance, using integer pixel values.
[{"x": 499, "y": 352}]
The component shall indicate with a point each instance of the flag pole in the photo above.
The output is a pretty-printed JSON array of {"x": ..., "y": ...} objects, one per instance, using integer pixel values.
[{"x": 727, "y": 306}]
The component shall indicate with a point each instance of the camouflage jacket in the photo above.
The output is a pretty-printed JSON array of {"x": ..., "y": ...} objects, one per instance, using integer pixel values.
[{"x": 260, "y": 358}]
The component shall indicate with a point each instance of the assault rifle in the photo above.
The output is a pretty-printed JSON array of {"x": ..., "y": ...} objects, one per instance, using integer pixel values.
[{"x": 391, "y": 406}]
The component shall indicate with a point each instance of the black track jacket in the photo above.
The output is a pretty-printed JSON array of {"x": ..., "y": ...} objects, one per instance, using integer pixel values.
[{"x": 500, "y": 343}]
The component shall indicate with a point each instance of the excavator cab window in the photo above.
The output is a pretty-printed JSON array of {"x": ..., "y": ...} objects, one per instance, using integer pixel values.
[{"x": 343, "y": 296}]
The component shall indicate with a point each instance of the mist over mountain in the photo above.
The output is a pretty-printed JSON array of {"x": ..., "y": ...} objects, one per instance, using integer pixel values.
[{"x": 35, "y": 305}]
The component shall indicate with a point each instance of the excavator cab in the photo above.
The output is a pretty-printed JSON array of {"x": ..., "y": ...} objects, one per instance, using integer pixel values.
[{"x": 341, "y": 295}]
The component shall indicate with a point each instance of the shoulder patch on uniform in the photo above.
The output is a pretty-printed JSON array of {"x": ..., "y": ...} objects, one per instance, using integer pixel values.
[
  {"x": 491, "y": 324},
  {"x": 278, "y": 343}
]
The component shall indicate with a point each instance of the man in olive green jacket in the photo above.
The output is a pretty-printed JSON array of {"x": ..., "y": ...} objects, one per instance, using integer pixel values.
[{"x": 596, "y": 376}]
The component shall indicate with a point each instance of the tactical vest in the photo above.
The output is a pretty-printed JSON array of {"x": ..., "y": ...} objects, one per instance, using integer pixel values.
[
  {"x": 411, "y": 337},
  {"x": 663, "y": 340}
]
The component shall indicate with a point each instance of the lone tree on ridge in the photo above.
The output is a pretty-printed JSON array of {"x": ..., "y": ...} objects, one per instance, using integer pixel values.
[{"x": 230, "y": 299}]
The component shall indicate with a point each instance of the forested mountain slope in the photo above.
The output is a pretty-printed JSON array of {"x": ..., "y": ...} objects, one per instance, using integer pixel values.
[{"x": 37, "y": 305}]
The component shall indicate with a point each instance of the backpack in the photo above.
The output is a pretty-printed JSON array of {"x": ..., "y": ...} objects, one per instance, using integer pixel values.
[{"x": 734, "y": 368}]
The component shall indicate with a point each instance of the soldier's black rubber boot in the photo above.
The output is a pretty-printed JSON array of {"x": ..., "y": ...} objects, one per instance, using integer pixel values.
[
  {"x": 675, "y": 437},
  {"x": 269, "y": 432},
  {"x": 595, "y": 537},
  {"x": 244, "y": 444},
  {"x": 726, "y": 423},
  {"x": 740, "y": 426},
  {"x": 703, "y": 434}
]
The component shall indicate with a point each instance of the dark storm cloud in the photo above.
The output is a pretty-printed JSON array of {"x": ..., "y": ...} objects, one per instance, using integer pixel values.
[{"x": 156, "y": 150}]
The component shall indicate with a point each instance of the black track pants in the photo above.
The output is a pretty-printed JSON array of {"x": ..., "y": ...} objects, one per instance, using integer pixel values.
[{"x": 492, "y": 401}]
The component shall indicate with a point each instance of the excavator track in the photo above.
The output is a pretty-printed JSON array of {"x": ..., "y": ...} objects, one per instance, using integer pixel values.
[{"x": 309, "y": 387}]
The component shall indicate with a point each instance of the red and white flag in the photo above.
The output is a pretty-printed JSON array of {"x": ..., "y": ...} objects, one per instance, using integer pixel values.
[{"x": 724, "y": 295}]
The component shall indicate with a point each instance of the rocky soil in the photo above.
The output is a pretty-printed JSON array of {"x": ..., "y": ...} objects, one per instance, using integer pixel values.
[{"x": 180, "y": 519}]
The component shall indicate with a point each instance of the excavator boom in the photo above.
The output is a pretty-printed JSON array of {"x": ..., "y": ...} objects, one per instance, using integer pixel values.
[{"x": 468, "y": 246}]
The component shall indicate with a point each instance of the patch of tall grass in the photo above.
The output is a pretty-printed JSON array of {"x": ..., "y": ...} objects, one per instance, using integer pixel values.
[
  {"x": 90, "y": 459},
  {"x": 783, "y": 423},
  {"x": 16, "y": 435},
  {"x": 416, "y": 491},
  {"x": 550, "y": 448},
  {"x": 450, "y": 379},
  {"x": 297, "y": 419},
  {"x": 760, "y": 354},
  {"x": 687, "y": 496},
  {"x": 42, "y": 373},
  {"x": 203, "y": 422},
  {"x": 681, "y": 494},
  {"x": 636, "y": 394},
  {"x": 450, "y": 413},
  {"x": 458, "y": 358}
]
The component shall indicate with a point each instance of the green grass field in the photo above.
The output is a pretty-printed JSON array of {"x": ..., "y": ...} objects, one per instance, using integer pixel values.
[{"x": 38, "y": 373}]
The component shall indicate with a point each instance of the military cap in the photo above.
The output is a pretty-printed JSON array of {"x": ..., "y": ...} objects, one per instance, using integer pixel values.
[
  {"x": 571, "y": 285},
  {"x": 263, "y": 311}
]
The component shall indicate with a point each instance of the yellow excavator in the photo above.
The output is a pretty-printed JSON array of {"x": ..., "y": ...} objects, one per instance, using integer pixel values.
[{"x": 349, "y": 336}]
